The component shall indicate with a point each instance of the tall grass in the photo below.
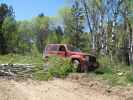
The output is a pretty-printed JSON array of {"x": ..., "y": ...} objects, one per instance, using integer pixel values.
[{"x": 114, "y": 72}]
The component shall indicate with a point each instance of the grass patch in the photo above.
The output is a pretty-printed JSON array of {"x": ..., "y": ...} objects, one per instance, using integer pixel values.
[
  {"x": 41, "y": 75},
  {"x": 115, "y": 73},
  {"x": 129, "y": 77},
  {"x": 23, "y": 59},
  {"x": 104, "y": 70}
]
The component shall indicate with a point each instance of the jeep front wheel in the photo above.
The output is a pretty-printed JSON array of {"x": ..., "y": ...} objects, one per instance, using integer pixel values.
[{"x": 76, "y": 65}]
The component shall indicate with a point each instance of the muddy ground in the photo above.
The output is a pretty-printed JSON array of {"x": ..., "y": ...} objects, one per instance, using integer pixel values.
[{"x": 72, "y": 88}]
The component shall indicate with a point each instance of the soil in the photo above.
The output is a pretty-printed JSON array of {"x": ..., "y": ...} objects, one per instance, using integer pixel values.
[{"x": 72, "y": 88}]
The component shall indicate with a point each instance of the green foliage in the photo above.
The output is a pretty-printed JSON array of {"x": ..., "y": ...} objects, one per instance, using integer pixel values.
[
  {"x": 5, "y": 11},
  {"x": 40, "y": 23},
  {"x": 53, "y": 38},
  {"x": 22, "y": 59},
  {"x": 6, "y": 14},
  {"x": 73, "y": 21},
  {"x": 32, "y": 32},
  {"x": 41, "y": 75},
  {"x": 60, "y": 66},
  {"x": 25, "y": 36},
  {"x": 114, "y": 73},
  {"x": 10, "y": 35},
  {"x": 104, "y": 61},
  {"x": 65, "y": 39},
  {"x": 57, "y": 67},
  {"x": 42, "y": 30},
  {"x": 129, "y": 77}
]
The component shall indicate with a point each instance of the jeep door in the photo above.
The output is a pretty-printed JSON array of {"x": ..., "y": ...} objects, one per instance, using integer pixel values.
[{"x": 62, "y": 51}]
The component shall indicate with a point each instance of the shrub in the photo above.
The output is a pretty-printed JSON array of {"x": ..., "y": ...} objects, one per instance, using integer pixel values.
[{"x": 58, "y": 67}]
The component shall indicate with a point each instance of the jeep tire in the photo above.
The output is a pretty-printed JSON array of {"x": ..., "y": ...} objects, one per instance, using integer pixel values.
[{"x": 76, "y": 65}]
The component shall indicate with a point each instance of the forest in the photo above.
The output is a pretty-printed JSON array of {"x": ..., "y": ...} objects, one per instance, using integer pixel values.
[{"x": 102, "y": 27}]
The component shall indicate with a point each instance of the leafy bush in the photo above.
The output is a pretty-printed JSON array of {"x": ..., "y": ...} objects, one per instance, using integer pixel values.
[
  {"x": 60, "y": 67},
  {"x": 55, "y": 67}
]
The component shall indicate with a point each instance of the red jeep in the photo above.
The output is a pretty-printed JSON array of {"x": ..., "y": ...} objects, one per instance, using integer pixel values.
[{"x": 81, "y": 61}]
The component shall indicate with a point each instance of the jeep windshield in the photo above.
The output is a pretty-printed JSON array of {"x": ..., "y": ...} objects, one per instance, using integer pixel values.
[{"x": 71, "y": 48}]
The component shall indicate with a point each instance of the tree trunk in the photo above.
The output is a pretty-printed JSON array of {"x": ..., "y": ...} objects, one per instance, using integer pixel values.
[{"x": 89, "y": 23}]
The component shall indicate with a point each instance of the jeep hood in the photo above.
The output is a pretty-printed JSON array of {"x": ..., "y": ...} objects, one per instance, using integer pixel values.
[
  {"x": 77, "y": 53},
  {"x": 80, "y": 53}
]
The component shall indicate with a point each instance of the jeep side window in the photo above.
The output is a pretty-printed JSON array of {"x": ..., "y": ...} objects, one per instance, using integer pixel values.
[
  {"x": 62, "y": 48},
  {"x": 52, "y": 48},
  {"x": 71, "y": 48}
]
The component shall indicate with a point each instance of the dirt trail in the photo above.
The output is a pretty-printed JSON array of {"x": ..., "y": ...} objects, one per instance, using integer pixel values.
[{"x": 51, "y": 90}]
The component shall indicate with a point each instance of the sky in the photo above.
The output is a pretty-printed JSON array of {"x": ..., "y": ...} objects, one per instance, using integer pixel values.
[{"x": 26, "y": 9}]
